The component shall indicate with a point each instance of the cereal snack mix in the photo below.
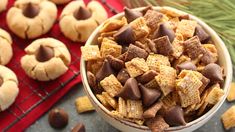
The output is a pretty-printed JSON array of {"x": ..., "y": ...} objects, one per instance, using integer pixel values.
[{"x": 155, "y": 68}]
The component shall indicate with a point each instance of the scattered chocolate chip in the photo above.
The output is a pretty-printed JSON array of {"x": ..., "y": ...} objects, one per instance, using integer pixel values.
[
  {"x": 58, "y": 118},
  {"x": 131, "y": 14},
  {"x": 202, "y": 35},
  {"x": 79, "y": 128},
  {"x": 147, "y": 76},
  {"x": 163, "y": 46},
  {"x": 134, "y": 51},
  {"x": 82, "y": 13},
  {"x": 130, "y": 90},
  {"x": 31, "y": 10},
  {"x": 187, "y": 65},
  {"x": 125, "y": 35},
  {"x": 174, "y": 116},
  {"x": 151, "y": 112},
  {"x": 115, "y": 63},
  {"x": 123, "y": 76},
  {"x": 213, "y": 72},
  {"x": 163, "y": 30},
  {"x": 44, "y": 53},
  {"x": 151, "y": 45},
  {"x": 1, "y": 81},
  {"x": 104, "y": 71},
  {"x": 149, "y": 96}
]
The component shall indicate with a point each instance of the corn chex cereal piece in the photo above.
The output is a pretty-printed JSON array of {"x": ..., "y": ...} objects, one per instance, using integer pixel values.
[
  {"x": 173, "y": 22},
  {"x": 203, "y": 99},
  {"x": 83, "y": 104},
  {"x": 228, "y": 118},
  {"x": 134, "y": 109},
  {"x": 122, "y": 108},
  {"x": 193, "y": 47},
  {"x": 153, "y": 18},
  {"x": 101, "y": 98},
  {"x": 133, "y": 70},
  {"x": 186, "y": 28},
  {"x": 140, "y": 27},
  {"x": 166, "y": 79},
  {"x": 177, "y": 45},
  {"x": 140, "y": 64},
  {"x": 90, "y": 52},
  {"x": 113, "y": 24},
  {"x": 152, "y": 84},
  {"x": 111, "y": 85},
  {"x": 190, "y": 98},
  {"x": 168, "y": 101},
  {"x": 110, "y": 100},
  {"x": 110, "y": 47},
  {"x": 205, "y": 81},
  {"x": 215, "y": 94},
  {"x": 157, "y": 124},
  {"x": 155, "y": 60},
  {"x": 231, "y": 94}
]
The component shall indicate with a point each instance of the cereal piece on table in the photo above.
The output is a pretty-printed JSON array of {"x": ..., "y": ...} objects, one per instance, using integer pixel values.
[
  {"x": 103, "y": 101},
  {"x": 113, "y": 24},
  {"x": 140, "y": 64},
  {"x": 133, "y": 70},
  {"x": 228, "y": 118},
  {"x": 231, "y": 94},
  {"x": 164, "y": 46},
  {"x": 140, "y": 28},
  {"x": 193, "y": 47},
  {"x": 134, "y": 51},
  {"x": 155, "y": 60},
  {"x": 214, "y": 94},
  {"x": 122, "y": 108},
  {"x": 90, "y": 52},
  {"x": 157, "y": 124},
  {"x": 83, "y": 104},
  {"x": 186, "y": 28},
  {"x": 110, "y": 100},
  {"x": 111, "y": 85},
  {"x": 153, "y": 18},
  {"x": 166, "y": 79},
  {"x": 110, "y": 47},
  {"x": 134, "y": 109}
]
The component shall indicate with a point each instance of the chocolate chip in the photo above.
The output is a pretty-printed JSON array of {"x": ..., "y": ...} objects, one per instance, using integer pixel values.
[
  {"x": 163, "y": 30},
  {"x": 163, "y": 46},
  {"x": 79, "y": 128},
  {"x": 125, "y": 35},
  {"x": 213, "y": 72},
  {"x": 151, "y": 45},
  {"x": 147, "y": 76},
  {"x": 104, "y": 71},
  {"x": 31, "y": 10},
  {"x": 130, "y": 90},
  {"x": 187, "y": 65},
  {"x": 82, "y": 13},
  {"x": 1, "y": 81},
  {"x": 151, "y": 112},
  {"x": 115, "y": 63},
  {"x": 131, "y": 14},
  {"x": 174, "y": 116},
  {"x": 123, "y": 76},
  {"x": 44, "y": 53},
  {"x": 134, "y": 51},
  {"x": 58, "y": 118},
  {"x": 149, "y": 96},
  {"x": 202, "y": 35}
]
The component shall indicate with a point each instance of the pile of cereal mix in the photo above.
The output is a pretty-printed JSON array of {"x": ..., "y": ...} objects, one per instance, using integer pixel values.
[{"x": 154, "y": 68}]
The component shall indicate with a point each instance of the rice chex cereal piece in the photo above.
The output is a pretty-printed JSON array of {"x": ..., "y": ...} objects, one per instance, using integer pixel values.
[
  {"x": 228, "y": 118},
  {"x": 110, "y": 47},
  {"x": 189, "y": 98},
  {"x": 186, "y": 28},
  {"x": 134, "y": 109},
  {"x": 122, "y": 107},
  {"x": 90, "y": 52},
  {"x": 113, "y": 24},
  {"x": 103, "y": 101},
  {"x": 140, "y": 28},
  {"x": 140, "y": 64},
  {"x": 214, "y": 94},
  {"x": 152, "y": 84},
  {"x": 110, "y": 100},
  {"x": 133, "y": 70},
  {"x": 155, "y": 60}
]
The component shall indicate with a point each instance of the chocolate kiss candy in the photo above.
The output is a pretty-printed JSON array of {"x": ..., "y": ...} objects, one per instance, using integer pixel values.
[
  {"x": 147, "y": 76},
  {"x": 82, "y": 13},
  {"x": 1, "y": 81},
  {"x": 188, "y": 65},
  {"x": 130, "y": 90},
  {"x": 58, "y": 118},
  {"x": 163, "y": 30},
  {"x": 213, "y": 72},
  {"x": 125, "y": 35},
  {"x": 174, "y": 116},
  {"x": 131, "y": 14},
  {"x": 123, "y": 76},
  {"x": 31, "y": 10},
  {"x": 79, "y": 128},
  {"x": 44, "y": 53},
  {"x": 149, "y": 96},
  {"x": 202, "y": 35},
  {"x": 104, "y": 71}
]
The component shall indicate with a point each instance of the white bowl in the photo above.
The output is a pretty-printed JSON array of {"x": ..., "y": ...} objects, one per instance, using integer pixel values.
[{"x": 125, "y": 126}]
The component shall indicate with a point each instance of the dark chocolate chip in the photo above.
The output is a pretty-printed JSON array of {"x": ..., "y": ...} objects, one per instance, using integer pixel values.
[
  {"x": 104, "y": 71},
  {"x": 151, "y": 45},
  {"x": 58, "y": 118},
  {"x": 123, "y": 76},
  {"x": 82, "y": 13},
  {"x": 1, "y": 81},
  {"x": 149, "y": 96},
  {"x": 134, "y": 51},
  {"x": 147, "y": 76},
  {"x": 115, "y": 63},
  {"x": 79, "y": 128},
  {"x": 130, "y": 90},
  {"x": 163, "y": 30},
  {"x": 174, "y": 116},
  {"x": 125, "y": 35},
  {"x": 31, "y": 10},
  {"x": 187, "y": 65},
  {"x": 163, "y": 46},
  {"x": 202, "y": 35},
  {"x": 151, "y": 112},
  {"x": 44, "y": 53},
  {"x": 213, "y": 72},
  {"x": 131, "y": 14}
]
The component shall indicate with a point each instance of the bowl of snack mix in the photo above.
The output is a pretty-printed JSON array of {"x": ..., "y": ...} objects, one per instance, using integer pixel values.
[{"x": 155, "y": 69}]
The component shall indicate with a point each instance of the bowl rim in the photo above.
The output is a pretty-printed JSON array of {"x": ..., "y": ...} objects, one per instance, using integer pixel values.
[{"x": 207, "y": 115}]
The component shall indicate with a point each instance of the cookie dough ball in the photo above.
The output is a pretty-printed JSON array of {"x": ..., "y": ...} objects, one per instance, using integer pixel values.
[
  {"x": 46, "y": 59},
  {"x": 8, "y": 87},
  {"x": 60, "y": 1},
  {"x": 31, "y": 18},
  {"x": 5, "y": 47},
  {"x": 77, "y": 22},
  {"x": 3, "y": 5}
]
